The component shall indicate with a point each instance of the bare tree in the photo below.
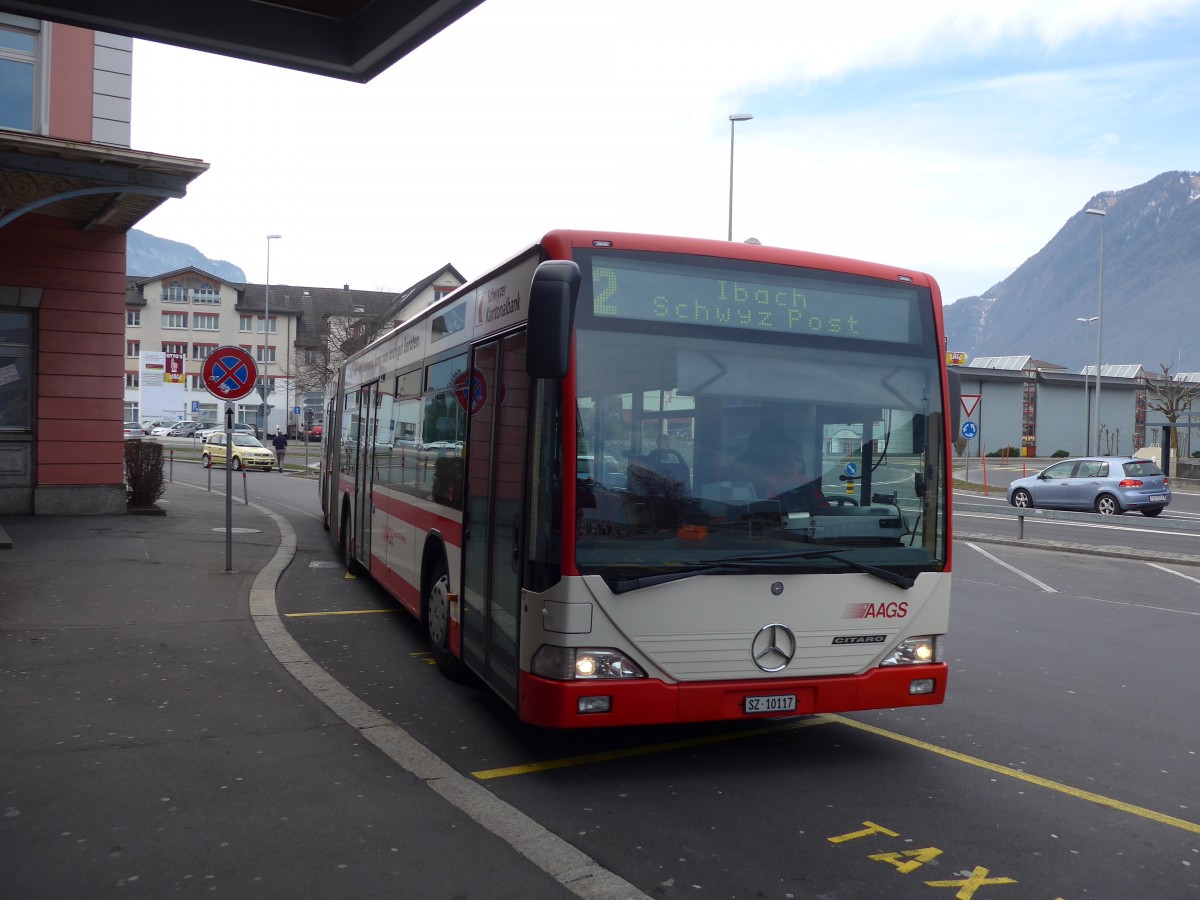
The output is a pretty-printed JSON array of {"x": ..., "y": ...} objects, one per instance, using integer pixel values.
[
  {"x": 341, "y": 336},
  {"x": 1172, "y": 399}
]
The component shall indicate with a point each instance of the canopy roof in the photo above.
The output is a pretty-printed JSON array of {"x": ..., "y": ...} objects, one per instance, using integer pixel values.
[{"x": 350, "y": 39}]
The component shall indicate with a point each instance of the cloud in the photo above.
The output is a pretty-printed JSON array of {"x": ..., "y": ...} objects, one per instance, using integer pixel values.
[{"x": 936, "y": 135}]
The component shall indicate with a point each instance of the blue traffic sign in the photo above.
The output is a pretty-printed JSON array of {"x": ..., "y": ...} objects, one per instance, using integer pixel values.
[
  {"x": 851, "y": 470},
  {"x": 969, "y": 430}
]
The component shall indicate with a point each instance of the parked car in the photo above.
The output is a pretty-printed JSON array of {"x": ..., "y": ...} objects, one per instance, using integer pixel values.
[
  {"x": 184, "y": 429},
  {"x": 315, "y": 432},
  {"x": 150, "y": 424},
  {"x": 162, "y": 430},
  {"x": 208, "y": 430},
  {"x": 248, "y": 452},
  {"x": 442, "y": 448},
  {"x": 1110, "y": 485},
  {"x": 612, "y": 472},
  {"x": 133, "y": 431}
]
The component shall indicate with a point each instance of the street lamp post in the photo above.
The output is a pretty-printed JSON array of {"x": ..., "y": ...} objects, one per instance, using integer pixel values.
[
  {"x": 1099, "y": 322},
  {"x": 267, "y": 338},
  {"x": 733, "y": 120},
  {"x": 1087, "y": 408}
]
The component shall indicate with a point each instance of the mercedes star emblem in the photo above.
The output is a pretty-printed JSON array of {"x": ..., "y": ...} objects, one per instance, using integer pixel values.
[{"x": 773, "y": 647}]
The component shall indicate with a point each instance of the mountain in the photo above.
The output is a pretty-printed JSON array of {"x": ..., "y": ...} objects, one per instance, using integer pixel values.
[
  {"x": 1151, "y": 298},
  {"x": 149, "y": 255}
]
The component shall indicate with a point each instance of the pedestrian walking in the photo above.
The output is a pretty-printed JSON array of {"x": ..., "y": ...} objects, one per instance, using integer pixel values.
[{"x": 280, "y": 444}]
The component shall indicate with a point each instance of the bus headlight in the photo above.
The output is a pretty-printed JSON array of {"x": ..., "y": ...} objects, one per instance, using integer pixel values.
[
  {"x": 583, "y": 664},
  {"x": 916, "y": 650}
]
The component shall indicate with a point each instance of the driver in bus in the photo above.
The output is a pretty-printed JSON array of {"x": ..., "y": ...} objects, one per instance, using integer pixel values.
[{"x": 796, "y": 492}]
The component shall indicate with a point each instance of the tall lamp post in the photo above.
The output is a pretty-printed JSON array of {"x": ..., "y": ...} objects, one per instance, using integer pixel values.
[
  {"x": 733, "y": 120},
  {"x": 267, "y": 337},
  {"x": 1099, "y": 322},
  {"x": 1087, "y": 408}
]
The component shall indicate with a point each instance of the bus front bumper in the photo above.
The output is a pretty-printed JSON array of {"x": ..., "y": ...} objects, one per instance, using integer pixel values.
[{"x": 648, "y": 701}]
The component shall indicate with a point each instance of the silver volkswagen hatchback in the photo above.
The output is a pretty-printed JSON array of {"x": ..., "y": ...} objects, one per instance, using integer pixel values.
[{"x": 1109, "y": 485}]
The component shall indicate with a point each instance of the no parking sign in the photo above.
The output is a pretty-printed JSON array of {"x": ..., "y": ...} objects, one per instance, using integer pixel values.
[{"x": 229, "y": 373}]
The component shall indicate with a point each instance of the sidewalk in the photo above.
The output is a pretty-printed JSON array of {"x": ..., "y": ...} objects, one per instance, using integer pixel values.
[{"x": 152, "y": 745}]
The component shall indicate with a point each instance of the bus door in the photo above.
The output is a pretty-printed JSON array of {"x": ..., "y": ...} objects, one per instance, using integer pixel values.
[
  {"x": 494, "y": 514},
  {"x": 364, "y": 469}
]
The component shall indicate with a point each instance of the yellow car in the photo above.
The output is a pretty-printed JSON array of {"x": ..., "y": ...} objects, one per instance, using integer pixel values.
[{"x": 247, "y": 452}]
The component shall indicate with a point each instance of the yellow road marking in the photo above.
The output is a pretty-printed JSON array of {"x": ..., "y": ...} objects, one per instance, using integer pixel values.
[
  {"x": 828, "y": 719},
  {"x": 569, "y": 761},
  {"x": 1046, "y": 783},
  {"x": 339, "y": 612}
]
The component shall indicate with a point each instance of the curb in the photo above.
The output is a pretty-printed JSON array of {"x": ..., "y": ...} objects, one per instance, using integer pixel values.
[{"x": 558, "y": 858}]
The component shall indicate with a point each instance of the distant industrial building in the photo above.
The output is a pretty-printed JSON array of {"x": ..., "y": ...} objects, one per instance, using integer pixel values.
[{"x": 1038, "y": 407}]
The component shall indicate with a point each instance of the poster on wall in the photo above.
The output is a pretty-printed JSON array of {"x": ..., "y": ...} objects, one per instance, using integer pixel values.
[
  {"x": 161, "y": 386},
  {"x": 173, "y": 369},
  {"x": 154, "y": 365}
]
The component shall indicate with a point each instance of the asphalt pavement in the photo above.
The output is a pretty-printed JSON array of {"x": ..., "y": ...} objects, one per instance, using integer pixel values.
[{"x": 161, "y": 735}]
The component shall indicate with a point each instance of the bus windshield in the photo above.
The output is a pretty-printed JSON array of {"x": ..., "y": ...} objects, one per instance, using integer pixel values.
[{"x": 789, "y": 420}]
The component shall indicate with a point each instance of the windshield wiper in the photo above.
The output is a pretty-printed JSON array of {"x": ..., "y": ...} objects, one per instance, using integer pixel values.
[
  {"x": 632, "y": 584},
  {"x": 900, "y": 581},
  {"x": 736, "y": 565}
]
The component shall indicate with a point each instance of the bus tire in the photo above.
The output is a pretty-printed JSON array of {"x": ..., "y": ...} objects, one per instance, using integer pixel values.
[
  {"x": 353, "y": 566},
  {"x": 437, "y": 620}
]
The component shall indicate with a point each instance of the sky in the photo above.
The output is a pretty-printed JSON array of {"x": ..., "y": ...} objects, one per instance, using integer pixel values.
[{"x": 950, "y": 137}]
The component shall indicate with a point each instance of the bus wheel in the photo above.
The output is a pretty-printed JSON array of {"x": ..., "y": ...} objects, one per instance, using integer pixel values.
[
  {"x": 437, "y": 621},
  {"x": 353, "y": 566}
]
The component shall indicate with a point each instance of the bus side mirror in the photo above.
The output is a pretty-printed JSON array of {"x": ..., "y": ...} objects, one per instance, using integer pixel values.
[
  {"x": 919, "y": 423},
  {"x": 955, "y": 382},
  {"x": 552, "y": 299}
]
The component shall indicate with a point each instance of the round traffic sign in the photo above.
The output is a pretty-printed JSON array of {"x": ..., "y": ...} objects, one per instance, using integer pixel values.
[
  {"x": 230, "y": 373},
  {"x": 969, "y": 430},
  {"x": 470, "y": 389}
]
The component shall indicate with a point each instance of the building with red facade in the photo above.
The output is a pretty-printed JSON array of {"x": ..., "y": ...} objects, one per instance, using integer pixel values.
[{"x": 70, "y": 190}]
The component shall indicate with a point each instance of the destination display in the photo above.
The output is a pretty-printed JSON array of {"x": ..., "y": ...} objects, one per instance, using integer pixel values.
[{"x": 803, "y": 304}]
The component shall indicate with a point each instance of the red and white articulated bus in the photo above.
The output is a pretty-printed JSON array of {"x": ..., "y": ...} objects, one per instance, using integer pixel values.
[{"x": 582, "y": 473}]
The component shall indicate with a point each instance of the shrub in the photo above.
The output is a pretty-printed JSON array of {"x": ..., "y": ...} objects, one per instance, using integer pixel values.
[
  {"x": 144, "y": 472},
  {"x": 1006, "y": 452},
  {"x": 1059, "y": 454}
]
